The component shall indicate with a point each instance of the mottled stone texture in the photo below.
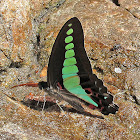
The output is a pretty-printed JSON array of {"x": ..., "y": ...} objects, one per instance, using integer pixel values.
[
  {"x": 133, "y": 6},
  {"x": 112, "y": 34}
]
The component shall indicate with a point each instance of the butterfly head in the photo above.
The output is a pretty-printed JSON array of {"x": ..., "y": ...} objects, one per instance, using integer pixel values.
[{"x": 42, "y": 85}]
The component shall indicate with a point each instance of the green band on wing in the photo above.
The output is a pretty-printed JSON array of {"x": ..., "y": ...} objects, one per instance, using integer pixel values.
[
  {"x": 69, "y": 61},
  {"x": 70, "y": 82},
  {"x": 69, "y": 46},
  {"x": 69, "y": 53},
  {"x": 68, "y": 39},
  {"x": 70, "y": 69},
  {"x": 68, "y": 75},
  {"x": 70, "y": 31},
  {"x": 80, "y": 92},
  {"x": 70, "y": 25}
]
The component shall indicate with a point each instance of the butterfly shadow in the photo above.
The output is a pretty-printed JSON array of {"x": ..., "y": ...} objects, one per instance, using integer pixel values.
[{"x": 51, "y": 107}]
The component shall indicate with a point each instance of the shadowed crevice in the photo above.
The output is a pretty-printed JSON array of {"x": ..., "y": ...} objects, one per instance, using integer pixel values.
[
  {"x": 116, "y": 2},
  {"x": 15, "y": 65}
]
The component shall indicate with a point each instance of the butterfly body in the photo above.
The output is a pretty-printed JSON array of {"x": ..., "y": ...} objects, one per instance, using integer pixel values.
[{"x": 70, "y": 76}]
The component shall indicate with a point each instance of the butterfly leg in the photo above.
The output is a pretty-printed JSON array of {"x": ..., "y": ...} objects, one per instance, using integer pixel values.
[
  {"x": 62, "y": 111},
  {"x": 39, "y": 98}
]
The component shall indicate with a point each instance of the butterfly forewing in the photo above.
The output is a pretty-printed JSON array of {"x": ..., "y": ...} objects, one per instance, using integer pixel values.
[{"x": 72, "y": 28}]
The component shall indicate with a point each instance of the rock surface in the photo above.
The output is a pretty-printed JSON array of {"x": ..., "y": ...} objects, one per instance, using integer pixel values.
[{"x": 112, "y": 34}]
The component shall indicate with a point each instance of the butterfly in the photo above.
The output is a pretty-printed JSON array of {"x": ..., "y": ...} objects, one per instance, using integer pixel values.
[{"x": 69, "y": 74}]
